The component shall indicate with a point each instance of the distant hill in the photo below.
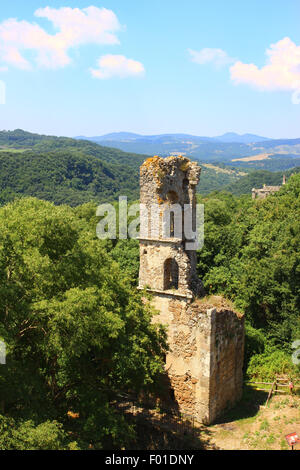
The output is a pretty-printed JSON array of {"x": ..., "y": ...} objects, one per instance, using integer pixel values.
[
  {"x": 216, "y": 177},
  {"x": 274, "y": 162},
  {"x": 113, "y": 136},
  {"x": 23, "y": 140},
  {"x": 229, "y": 148},
  {"x": 64, "y": 170},
  {"x": 242, "y": 139}
]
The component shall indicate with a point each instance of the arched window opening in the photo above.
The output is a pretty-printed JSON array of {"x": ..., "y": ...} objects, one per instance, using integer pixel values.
[
  {"x": 171, "y": 274},
  {"x": 172, "y": 224},
  {"x": 172, "y": 221}
]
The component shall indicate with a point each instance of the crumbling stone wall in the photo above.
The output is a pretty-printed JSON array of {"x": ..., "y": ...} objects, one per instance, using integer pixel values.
[
  {"x": 262, "y": 193},
  {"x": 227, "y": 351},
  {"x": 205, "y": 360},
  {"x": 206, "y": 338}
]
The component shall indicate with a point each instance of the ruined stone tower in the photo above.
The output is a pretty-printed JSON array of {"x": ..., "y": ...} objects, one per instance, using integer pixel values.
[{"x": 205, "y": 336}]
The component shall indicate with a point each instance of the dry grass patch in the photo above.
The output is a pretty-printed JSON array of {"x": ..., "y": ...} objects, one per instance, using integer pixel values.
[{"x": 264, "y": 430}]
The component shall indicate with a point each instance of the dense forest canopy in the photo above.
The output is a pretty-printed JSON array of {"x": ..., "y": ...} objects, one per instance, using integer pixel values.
[
  {"x": 77, "y": 334},
  {"x": 64, "y": 170},
  {"x": 63, "y": 177}
]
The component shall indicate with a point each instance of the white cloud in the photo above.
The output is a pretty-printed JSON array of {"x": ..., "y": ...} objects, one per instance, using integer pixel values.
[
  {"x": 216, "y": 56},
  {"x": 75, "y": 27},
  {"x": 117, "y": 66},
  {"x": 89, "y": 25},
  {"x": 282, "y": 71}
]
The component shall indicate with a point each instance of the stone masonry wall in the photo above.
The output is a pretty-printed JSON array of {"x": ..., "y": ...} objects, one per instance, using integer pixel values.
[
  {"x": 204, "y": 364},
  {"x": 226, "y": 367}
]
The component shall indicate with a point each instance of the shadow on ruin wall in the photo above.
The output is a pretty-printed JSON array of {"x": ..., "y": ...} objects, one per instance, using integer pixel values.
[{"x": 159, "y": 424}]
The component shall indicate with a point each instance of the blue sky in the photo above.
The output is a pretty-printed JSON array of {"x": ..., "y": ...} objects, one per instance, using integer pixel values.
[{"x": 150, "y": 67}]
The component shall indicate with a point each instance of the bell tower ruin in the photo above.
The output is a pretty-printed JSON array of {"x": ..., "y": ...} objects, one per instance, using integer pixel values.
[{"x": 205, "y": 336}]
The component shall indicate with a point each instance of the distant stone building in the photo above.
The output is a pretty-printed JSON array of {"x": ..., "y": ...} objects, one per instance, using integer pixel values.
[
  {"x": 206, "y": 337},
  {"x": 265, "y": 191}
]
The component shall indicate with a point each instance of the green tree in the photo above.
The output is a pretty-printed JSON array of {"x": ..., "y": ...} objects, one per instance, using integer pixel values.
[{"x": 77, "y": 334}]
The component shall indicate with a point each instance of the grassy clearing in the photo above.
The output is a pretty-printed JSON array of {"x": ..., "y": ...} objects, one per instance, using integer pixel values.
[{"x": 252, "y": 426}]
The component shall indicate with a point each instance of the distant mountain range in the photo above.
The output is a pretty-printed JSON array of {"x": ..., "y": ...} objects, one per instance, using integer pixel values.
[
  {"x": 229, "y": 137},
  {"x": 71, "y": 171},
  {"x": 247, "y": 150}
]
